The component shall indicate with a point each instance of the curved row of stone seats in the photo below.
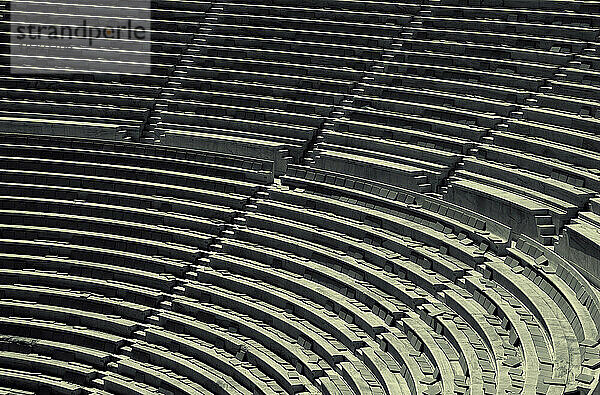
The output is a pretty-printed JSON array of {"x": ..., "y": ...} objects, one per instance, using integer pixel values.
[
  {"x": 14, "y": 391},
  {"x": 580, "y": 241},
  {"x": 122, "y": 290},
  {"x": 93, "y": 303},
  {"x": 563, "y": 22},
  {"x": 245, "y": 319},
  {"x": 150, "y": 156},
  {"x": 562, "y": 112},
  {"x": 60, "y": 351},
  {"x": 68, "y": 375},
  {"x": 560, "y": 125},
  {"x": 77, "y": 373},
  {"x": 448, "y": 42},
  {"x": 65, "y": 325},
  {"x": 577, "y": 6},
  {"x": 37, "y": 383},
  {"x": 40, "y": 294},
  {"x": 157, "y": 274},
  {"x": 156, "y": 377},
  {"x": 321, "y": 50},
  {"x": 534, "y": 204},
  {"x": 506, "y": 21},
  {"x": 42, "y": 160},
  {"x": 57, "y": 331},
  {"x": 232, "y": 353},
  {"x": 520, "y": 331},
  {"x": 73, "y": 82},
  {"x": 574, "y": 293},
  {"x": 572, "y": 299},
  {"x": 457, "y": 85},
  {"x": 436, "y": 213},
  {"x": 561, "y": 338},
  {"x": 559, "y": 361},
  {"x": 494, "y": 83},
  {"x": 276, "y": 152},
  {"x": 170, "y": 196},
  {"x": 101, "y": 322},
  {"x": 565, "y": 155},
  {"x": 118, "y": 384},
  {"x": 208, "y": 376}
]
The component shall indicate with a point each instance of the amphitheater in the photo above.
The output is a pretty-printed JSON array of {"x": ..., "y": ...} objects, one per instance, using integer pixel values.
[{"x": 320, "y": 197}]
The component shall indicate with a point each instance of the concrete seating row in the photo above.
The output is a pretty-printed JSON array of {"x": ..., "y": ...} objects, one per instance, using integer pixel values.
[
  {"x": 214, "y": 140},
  {"x": 176, "y": 194},
  {"x": 159, "y": 378},
  {"x": 368, "y": 167},
  {"x": 455, "y": 86},
  {"x": 382, "y": 7},
  {"x": 479, "y": 228},
  {"x": 244, "y": 250},
  {"x": 567, "y": 287},
  {"x": 117, "y": 213},
  {"x": 119, "y": 384},
  {"x": 541, "y": 203},
  {"x": 76, "y": 373},
  {"x": 204, "y": 341},
  {"x": 88, "y": 222},
  {"x": 50, "y": 330},
  {"x": 484, "y": 77},
  {"x": 111, "y": 242},
  {"x": 100, "y": 322},
  {"x": 509, "y": 27},
  {"x": 81, "y": 269},
  {"x": 94, "y": 303},
  {"x": 427, "y": 111},
  {"x": 203, "y": 85},
  {"x": 524, "y": 71},
  {"x": 552, "y": 322},
  {"x": 438, "y": 98},
  {"x": 58, "y": 351},
  {"x": 392, "y": 111},
  {"x": 37, "y": 383},
  {"x": 129, "y": 292},
  {"x": 187, "y": 367},
  {"x": 450, "y": 334},
  {"x": 129, "y": 173},
  {"x": 196, "y": 162},
  {"x": 389, "y": 224},
  {"x": 522, "y": 347},
  {"x": 579, "y": 242},
  {"x": 151, "y": 203},
  {"x": 569, "y": 155},
  {"x": 342, "y": 11},
  {"x": 341, "y": 21},
  {"x": 393, "y": 120},
  {"x": 547, "y": 12}
]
